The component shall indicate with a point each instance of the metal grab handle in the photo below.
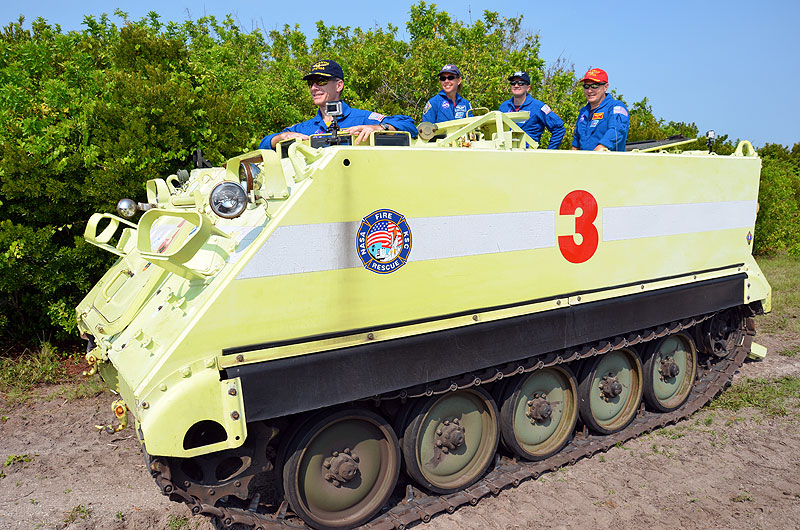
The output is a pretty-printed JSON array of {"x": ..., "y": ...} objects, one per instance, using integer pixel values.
[
  {"x": 308, "y": 155},
  {"x": 102, "y": 240},
  {"x": 174, "y": 260},
  {"x": 743, "y": 146}
]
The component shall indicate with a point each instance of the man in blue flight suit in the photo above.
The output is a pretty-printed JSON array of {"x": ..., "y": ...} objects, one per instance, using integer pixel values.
[
  {"x": 603, "y": 123},
  {"x": 447, "y": 104},
  {"x": 542, "y": 116},
  {"x": 325, "y": 83}
]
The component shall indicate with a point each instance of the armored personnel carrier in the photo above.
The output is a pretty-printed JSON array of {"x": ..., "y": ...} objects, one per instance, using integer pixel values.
[{"x": 373, "y": 334}]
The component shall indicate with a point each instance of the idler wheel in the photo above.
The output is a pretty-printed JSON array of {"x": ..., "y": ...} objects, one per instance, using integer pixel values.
[
  {"x": 670, "y": 366},
  {"x": 610, "y": 390},
  {"x": 538, "y": 412},
  {"x": 720, "y": 335},
  {"x": 449, "y": 440},
  {"x": 341, "y": 468}
]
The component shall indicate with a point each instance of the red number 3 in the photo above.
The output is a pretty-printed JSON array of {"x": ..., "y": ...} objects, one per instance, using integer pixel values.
[{"x": 584, "y": 225}]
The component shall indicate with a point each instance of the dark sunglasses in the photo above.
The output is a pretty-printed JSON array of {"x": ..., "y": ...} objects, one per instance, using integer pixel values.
[
  {"x": 446, "y": 77},
  {"x": 517, "y": 83},
  {"x": 318, "y": 82},
  {"x": 593, "y": 85}
]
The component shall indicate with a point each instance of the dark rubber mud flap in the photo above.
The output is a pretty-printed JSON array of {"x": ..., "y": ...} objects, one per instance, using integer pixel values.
[{"x": 297, "y": 384}]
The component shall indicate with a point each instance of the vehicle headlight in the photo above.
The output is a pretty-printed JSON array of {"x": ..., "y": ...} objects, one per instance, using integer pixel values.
[{"x": 228, "y": 200}]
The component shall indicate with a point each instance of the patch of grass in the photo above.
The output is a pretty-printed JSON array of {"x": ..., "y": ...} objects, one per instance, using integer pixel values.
[
  {"x": 671, "y": 433},
  {"x": 792, "y": 351},
  {"x": 772, "y": 397},
  {"x": 20, "y": 374},
  {"x": 119, "y": 516},
  {"x": 77, "y": 512},
  {"x": 742, "y": 497},
  {"x": 84, "y": 388},
  {"x": 176, "y": 522},
  {"x": 17, "y": 459},
  {"x": 783, "y": 274},
  {"x": 3, "y": 419}
]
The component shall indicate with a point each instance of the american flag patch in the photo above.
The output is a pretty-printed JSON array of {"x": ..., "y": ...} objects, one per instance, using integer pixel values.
[
  {"x": 546, "y": 108},
  {"x": 377, "y": 116},
  {"x": 620, "y": 110},
  {"x": 385, "y": 233}
]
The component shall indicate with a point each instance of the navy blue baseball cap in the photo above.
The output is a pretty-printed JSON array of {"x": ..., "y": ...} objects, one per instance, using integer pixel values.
[
  {"x": 325, "y": 68},
  {"x": 521, "y": 75},
  {"x": 450, "y": 69}
]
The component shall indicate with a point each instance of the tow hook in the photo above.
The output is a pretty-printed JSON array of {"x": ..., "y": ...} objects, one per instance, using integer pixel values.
[{"x": 121, "y": 412}]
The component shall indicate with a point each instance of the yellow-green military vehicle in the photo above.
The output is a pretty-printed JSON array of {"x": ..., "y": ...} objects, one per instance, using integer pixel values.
[{"x": 375, "y": 334}]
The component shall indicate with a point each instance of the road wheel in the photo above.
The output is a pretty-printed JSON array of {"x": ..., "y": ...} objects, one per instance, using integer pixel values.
[
  {"x": 341, "y": 468},
  {"x": 539, "y": 411},
  {"x": 610, "y": 390},
  {"x": 450, "y": 439},
  {"x": 670, "y": 365}
]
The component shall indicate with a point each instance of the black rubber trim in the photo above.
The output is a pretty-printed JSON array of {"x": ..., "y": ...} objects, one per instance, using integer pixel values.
[
  {"x": 275, "y": 344},
  {"x": 391, "y": 139},
  {"x": 286, "y": 386}
]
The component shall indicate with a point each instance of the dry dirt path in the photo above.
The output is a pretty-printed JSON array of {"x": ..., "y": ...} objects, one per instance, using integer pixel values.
[{"x": 715, "y": 470}]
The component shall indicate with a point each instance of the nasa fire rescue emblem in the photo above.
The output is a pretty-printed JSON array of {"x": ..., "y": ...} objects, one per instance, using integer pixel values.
[{"x": 383, "y": 241}]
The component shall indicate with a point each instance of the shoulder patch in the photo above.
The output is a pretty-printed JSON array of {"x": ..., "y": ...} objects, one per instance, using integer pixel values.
[
  {"x": 427, "y": 107},
  {"x": 376, "y": 116},
  {"x": 619, "y": 109},
  {"x": 546, "y": 109}
]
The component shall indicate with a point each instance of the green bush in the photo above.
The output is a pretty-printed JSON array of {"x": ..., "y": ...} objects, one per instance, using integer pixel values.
[
  {"x": 87, "y": 117},
  {"x": 778, "y": 222}
]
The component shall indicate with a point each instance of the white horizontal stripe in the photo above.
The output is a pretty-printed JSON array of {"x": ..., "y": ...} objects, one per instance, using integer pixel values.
[
  {"x": 470, "y": 235},
  {"x": 633, "y": 222},
  {"x": 305, "y": 248},
  {"x": 331, "y": 246}
]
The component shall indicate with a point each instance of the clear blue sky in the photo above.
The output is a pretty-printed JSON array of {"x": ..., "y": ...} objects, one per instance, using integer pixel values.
[{"x": 731, "y": 66}]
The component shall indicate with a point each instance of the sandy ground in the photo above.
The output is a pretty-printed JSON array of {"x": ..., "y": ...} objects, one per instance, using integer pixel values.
[{"x": 715, "y": 470}]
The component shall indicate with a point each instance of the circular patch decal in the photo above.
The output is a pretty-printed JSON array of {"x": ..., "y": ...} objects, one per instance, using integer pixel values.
[{"x": 383, "y": 241}]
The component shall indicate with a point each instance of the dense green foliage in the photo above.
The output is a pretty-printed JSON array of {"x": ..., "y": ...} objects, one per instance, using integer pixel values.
[
  {"x": 778, "y": 221},
  {"x": 86, "y": 117}
]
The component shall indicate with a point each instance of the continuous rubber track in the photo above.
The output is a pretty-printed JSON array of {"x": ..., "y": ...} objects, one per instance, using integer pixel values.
[{"x": 413, "y": 505}]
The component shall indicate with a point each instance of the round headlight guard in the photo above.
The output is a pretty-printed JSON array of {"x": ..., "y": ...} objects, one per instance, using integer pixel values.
[
  {"x": 247, "y": 174},
  {"x": 228, "y": 200}
]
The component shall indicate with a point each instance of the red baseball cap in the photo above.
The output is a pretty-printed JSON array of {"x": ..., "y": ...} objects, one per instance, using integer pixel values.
[{"x": 595, "y": 74}]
